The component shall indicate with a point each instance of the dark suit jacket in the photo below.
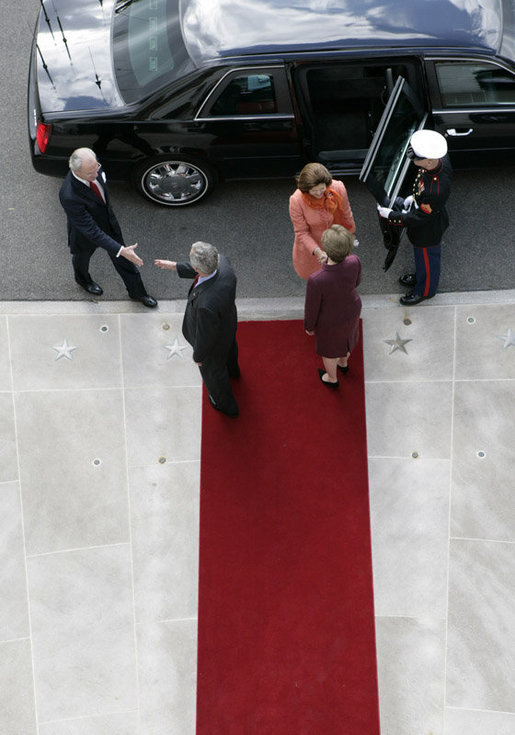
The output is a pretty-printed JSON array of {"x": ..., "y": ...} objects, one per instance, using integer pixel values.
[
  {"x": 210, "y": 319},
  {"x": 91, "y": 222}
]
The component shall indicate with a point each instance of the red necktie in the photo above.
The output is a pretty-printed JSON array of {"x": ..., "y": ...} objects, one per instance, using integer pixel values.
[
  {"x": 190, "y": 292},
  {"x": 95, "y": 188}
]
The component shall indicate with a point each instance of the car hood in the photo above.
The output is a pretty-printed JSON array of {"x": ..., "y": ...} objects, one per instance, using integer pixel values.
[{"x": 73, "y": 56}]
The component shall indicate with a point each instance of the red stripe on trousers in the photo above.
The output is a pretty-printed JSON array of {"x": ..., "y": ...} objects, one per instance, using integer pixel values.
[{"x": 428, "y": 271}]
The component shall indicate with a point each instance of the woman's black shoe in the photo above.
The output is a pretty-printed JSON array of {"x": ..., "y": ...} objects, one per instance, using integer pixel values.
[{"x": 322, "y": 373}]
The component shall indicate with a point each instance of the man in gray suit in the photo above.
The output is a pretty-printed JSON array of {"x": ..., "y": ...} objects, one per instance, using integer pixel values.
[{"x": 210, "y": 321}]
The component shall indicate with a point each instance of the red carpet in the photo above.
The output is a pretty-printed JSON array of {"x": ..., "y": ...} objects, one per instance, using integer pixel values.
[{"x": 286, "y": 620}]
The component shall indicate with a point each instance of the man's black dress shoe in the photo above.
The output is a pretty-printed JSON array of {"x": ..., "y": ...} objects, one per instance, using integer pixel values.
[
  {"x": 408, "y": 280},
  {"x": 233, "y": 412},
  {"x": 321, "y": 373},
  {"x": 146, "y": 301},
  {"x": 412, "y": 299},
  {"x": 92, "y": 287}
]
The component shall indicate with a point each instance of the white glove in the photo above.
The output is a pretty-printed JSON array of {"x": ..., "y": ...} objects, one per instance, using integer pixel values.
[
  {"x": 408, "y": 202},
  {"x": 383, "y": 211}
]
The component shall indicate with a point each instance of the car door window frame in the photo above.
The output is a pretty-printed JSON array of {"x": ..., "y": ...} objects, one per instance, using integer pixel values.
[
  {"x": 401, "y": 88},
  {"x": 282, "y": 94}
]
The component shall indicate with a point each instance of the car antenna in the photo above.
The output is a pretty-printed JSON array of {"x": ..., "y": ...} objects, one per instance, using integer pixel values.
[
  {"x": 98, "y": 81},
  {"x": 65, "y": 41},
  {"x": 45, "y": 66},
  {"x": 47, "y": 19}
]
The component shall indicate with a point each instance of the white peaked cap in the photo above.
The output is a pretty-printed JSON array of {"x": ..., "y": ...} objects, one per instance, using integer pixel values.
[{"x": 428, "y": 144}]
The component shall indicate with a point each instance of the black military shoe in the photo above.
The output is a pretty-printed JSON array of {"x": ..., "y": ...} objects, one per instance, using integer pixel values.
[
  {"x": 408, "y": 280},
  {"x": 412, "y": 299}
]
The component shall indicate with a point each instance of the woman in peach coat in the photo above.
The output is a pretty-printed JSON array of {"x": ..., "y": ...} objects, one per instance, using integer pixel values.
[{"x": 318, "y": 203}]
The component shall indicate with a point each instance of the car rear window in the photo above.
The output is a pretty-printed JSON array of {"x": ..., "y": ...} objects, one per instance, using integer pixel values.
[
  {"x": 148, "y": 48},
  {"x": 250, "y": 94}
]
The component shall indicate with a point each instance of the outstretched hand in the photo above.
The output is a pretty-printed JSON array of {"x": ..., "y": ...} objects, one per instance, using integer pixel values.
[
  {"x": 166, "y": 264},
  {"x": 128, "y": 252},
  {"x": 320, "y": 255}
]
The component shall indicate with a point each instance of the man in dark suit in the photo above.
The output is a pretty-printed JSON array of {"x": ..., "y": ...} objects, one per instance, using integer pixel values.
[
  {"x": 210, "y": 321},
  {"x": 92, "y": 223}
]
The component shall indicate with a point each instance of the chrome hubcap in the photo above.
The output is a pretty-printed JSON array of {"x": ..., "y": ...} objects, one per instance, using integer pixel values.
[{"x": 175, "y": 182}]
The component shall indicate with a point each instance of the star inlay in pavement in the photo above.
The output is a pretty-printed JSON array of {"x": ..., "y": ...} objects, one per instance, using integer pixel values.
[
  {"x": 64, "y": 350},
  {"x": 397, "y": 344},
  {"x": 508, "y": 338},
  {"x": 174, "y": 349}
]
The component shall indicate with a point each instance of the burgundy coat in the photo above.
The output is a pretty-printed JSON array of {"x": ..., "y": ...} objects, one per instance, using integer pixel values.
[{"x": 333, "y": 307}]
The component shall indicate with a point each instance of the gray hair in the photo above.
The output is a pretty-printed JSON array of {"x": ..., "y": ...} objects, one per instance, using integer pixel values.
[
  {"x": 78, "y": 157},
  {"x": 337, "y": 242},
  {"x": 204, "y": 257}
]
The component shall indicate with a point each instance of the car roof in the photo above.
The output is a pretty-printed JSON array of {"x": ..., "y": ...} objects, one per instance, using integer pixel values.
[{"x": 219, "y": 29}]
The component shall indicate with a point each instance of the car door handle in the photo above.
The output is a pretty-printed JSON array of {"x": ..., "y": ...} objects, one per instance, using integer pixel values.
[{"x": 454, "y": 132}]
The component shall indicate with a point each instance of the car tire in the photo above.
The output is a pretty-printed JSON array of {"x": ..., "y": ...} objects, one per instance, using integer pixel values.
[{"x": 174, "y": 181}]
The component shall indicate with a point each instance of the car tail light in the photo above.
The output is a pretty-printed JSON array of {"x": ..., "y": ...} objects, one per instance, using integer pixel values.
[{"x": 43, "y": 135}]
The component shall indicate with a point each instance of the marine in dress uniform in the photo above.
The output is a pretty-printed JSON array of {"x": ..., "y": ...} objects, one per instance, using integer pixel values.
[{"x": 423, "y": 213}]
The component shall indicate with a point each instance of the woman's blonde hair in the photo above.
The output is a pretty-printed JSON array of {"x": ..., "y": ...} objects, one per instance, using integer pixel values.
[
  {"x": 337, "y": 242},
  {"x": 312, "y": 175}
]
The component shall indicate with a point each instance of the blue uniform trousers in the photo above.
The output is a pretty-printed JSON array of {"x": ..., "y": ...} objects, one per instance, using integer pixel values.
[{"x": 427, "y": 268}]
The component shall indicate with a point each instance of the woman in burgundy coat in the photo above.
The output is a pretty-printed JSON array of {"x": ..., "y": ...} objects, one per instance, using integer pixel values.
[
  {"x": 333, "y": 305},
  {"x": 318, "y": 203}
]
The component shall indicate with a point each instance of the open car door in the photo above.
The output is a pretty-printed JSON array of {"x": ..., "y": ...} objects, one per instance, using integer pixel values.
[{"x": 386, "y": 163}]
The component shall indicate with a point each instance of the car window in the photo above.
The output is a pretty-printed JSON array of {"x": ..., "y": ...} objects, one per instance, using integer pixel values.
[
  {"x": 386, "y": 162},
  {"x": 246, "y": 94},
  {"x": 148, "y": 48},
  {"x": 474, "y": 84}
]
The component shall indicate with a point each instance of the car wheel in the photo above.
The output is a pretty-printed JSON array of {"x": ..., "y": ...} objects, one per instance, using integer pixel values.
[{"x": 174, "y": 181}]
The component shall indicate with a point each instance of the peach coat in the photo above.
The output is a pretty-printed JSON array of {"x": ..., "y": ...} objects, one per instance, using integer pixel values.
[{"x": 309, "y": 224}]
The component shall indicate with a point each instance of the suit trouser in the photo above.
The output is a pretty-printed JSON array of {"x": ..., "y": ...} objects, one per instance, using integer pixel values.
[
  {"x": 427, "y": 267},
  {"x": 215, "y": 374},
  {"x": 127, "y": 270}
]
